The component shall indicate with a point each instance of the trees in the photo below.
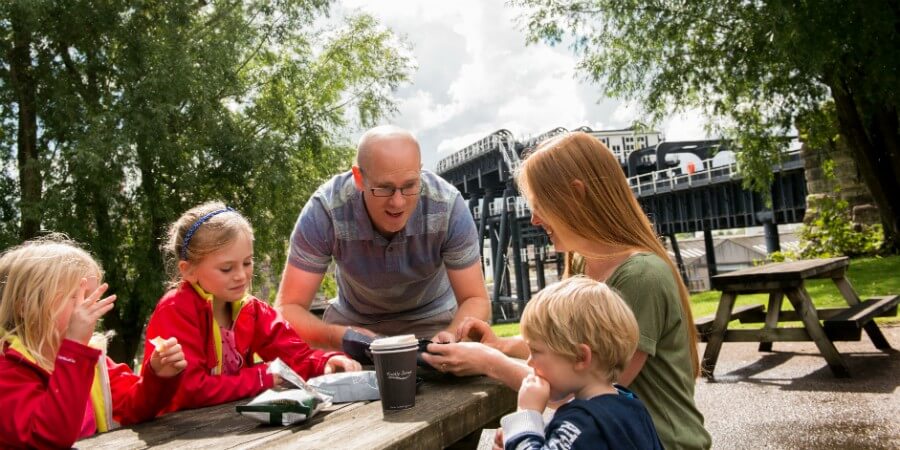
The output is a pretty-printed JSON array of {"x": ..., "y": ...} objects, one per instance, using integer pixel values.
[
  {"x": 118, "y": 116},
  {"x": 754, "y": 66}
]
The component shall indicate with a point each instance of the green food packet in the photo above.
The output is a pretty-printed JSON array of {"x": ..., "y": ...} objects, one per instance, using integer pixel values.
[{"x": 280, "y": 407}]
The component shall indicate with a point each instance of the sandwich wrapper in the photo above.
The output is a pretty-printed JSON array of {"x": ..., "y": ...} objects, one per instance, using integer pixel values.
[
  {"x": 348, "y": 386},
  {"x": 278, "y": 406}
]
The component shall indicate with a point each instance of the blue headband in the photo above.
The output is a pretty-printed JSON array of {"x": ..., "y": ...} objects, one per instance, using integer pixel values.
[{"x": 194, "y": 227}]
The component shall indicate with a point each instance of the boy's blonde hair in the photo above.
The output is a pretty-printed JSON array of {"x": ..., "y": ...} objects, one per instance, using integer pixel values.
[
  {"x": 212, "y": 234},
  {"x": 35, "y": 279},
  {"x": 579, "y": 310},
  {"x": 605, "y": 211}
]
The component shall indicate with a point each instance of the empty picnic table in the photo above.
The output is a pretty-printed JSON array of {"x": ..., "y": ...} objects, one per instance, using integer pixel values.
[
  {"x": 788, "y": 279},
  {"x": 447, "y": 409}
]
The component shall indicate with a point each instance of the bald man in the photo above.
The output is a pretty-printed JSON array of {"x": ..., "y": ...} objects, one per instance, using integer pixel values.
[{"x": 405, "y": 247}]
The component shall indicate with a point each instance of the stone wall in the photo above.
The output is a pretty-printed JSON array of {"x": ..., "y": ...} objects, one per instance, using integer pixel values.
[{"x": 847, "y": 179}]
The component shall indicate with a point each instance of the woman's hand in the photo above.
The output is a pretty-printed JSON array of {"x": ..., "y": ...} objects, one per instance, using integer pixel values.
[
  {"x": 476, "y": 330},
  {"x": 463, "y": 358},
  {"x": 167, "y": 359},
  {"x": 473, "y": 358},
  {"x": 341, "y": 363},
  {"x": 534, "y": 393},
  {"x": 87, "y": 312}
]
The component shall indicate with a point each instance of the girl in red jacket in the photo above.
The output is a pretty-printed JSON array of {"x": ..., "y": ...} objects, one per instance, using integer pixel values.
[
  {"x": 55, "y": 387},
  {"x": 218, "y": 323}
]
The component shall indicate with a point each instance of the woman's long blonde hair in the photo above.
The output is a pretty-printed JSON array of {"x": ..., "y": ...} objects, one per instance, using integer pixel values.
[
  {"x": 35, "y": 279},
  {"x": 605, "y": 212}
]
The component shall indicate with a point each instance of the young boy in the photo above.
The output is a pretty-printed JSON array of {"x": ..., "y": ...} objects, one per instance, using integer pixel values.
[{"x": 581, "y": 336}]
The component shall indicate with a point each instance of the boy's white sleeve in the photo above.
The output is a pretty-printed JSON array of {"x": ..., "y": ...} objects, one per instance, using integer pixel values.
[{"x": 521, "y": 423}]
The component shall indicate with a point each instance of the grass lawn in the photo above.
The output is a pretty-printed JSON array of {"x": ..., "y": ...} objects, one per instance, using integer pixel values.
[{"x": 869, "y": 277}]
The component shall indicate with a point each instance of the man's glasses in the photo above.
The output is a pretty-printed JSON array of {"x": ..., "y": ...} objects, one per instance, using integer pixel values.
[{"x": 389, "y": 192}]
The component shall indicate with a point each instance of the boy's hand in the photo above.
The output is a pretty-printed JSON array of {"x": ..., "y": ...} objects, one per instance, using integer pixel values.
[
  {"x": 87, "y": 312},
  {"x": 498, "y": 440},
  {"x": 534, "y": 393},
  {"x": 341, "y": 363},
  {"x": 167, "y": 359}
]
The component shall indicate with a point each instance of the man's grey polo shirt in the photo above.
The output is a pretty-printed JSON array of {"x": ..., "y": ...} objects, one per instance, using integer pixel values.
[{"x": 378, "y": 280}]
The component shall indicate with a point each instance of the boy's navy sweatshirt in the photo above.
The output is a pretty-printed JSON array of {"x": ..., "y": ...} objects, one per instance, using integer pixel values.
[{"x": 605, "y": 421}]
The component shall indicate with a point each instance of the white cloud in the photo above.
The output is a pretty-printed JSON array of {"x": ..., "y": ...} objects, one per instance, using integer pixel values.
[
  {"x": 476, "y": 75},
  {"x": 626, "y": 113},
  {"x": 685, "y": 126}
]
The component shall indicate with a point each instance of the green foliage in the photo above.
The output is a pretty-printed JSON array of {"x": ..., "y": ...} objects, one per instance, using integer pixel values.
[
  {"x": 833, "y": 233},
  {"x": 147, "y": 108},
  {"x": 506, "y": 329},
  {"x": 781, "y": 256},
  {"x": 752, "y": 67},
  {"x": 329, "y": 286}
]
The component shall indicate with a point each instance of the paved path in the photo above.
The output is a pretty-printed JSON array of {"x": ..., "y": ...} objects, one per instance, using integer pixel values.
[{"x": 789, "y": 398}]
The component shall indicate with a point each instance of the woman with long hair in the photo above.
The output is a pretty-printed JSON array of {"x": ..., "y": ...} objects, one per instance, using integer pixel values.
[{"x": 579, "y": 195}]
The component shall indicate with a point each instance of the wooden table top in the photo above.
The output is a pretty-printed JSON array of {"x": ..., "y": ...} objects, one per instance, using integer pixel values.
[
  {"x": 447, "y": 409},
  {"x": 793, "y": 272}
]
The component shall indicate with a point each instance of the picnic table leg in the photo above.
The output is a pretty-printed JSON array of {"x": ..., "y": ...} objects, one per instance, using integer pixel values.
[
  {"x": 717, "y": 334},
  {"x": 804, "y": 307},
  {"x": 772, "y": 313},
  {"x": 849, "y": 294}
]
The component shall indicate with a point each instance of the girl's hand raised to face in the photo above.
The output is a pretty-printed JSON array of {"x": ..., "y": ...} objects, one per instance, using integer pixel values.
[
  {"x": 167, "y": 359},
  {"x": 87, "y": 311}
]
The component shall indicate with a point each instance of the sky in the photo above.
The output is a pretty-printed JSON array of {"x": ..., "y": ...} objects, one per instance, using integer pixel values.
[{"x": 476, "y": 75}]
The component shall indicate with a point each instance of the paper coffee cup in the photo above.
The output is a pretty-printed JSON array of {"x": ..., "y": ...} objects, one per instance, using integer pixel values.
[{"x": 395, "y": 370}]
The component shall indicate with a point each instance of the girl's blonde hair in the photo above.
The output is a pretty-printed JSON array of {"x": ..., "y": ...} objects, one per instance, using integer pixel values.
[
  {"x": 214, "y": 232},
  {"x": 579, "y": 310},
  {"x": 606, "y": 211},
  {"x": 35, "y": 279}
]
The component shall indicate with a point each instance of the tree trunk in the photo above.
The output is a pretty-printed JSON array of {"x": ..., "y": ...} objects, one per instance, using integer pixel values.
[
  {"x": 145, "y": 289},
  {"x": 123, "y": 319},
  {"x": 30, "y": 178},
  {"x": 872, "y": 134}
]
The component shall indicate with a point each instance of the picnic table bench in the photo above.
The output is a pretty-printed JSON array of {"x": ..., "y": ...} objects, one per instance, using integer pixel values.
[
  {"x": 782, "y": 280},
  {"x": 447, "y": 410}
]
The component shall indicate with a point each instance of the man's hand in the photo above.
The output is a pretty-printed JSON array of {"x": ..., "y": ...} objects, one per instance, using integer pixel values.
[
  {"x": 167, "y": 359},
  {"x": 444, "y": 337},
  {"x": 341, "y": 363},
  {"x": 534, "y": 393},
  {"x": 476, "y": 330}
]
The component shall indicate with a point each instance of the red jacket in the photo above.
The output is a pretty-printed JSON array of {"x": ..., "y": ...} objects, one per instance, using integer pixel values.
[
  {"x": 40, "y": 409},
  {"x": 258, "y": 328}
]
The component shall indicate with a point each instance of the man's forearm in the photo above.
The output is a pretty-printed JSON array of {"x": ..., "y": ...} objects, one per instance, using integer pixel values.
[
  {"x": 477, "y": 307},
  {"x": 312, "y": 329}
]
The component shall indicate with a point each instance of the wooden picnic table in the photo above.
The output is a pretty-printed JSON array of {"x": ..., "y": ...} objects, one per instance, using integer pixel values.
[
  {"x": 447, "y": 409},
  {"x": 780, "y": 280}
]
